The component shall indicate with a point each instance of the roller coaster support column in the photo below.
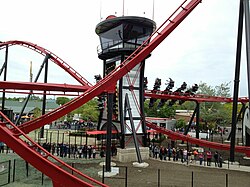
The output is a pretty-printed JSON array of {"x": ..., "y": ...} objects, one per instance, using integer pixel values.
[
  {"x": 236, "y": 82},
  {"x": 191, "y": 120},
  {"x": 128, "y": 108},
  {"x": 36, "y": 79},
  {"x": 5, "y": 75},
  {"x": 44, "y": 95},
  {"x": 197, "y": 120},
  {"x": 247, "y": 33},
  {"x": 109, "y": 131},
  {"x": 242, "y": 110}
]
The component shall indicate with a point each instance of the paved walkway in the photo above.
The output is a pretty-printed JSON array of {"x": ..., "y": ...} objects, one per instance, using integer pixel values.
[{"x": 231, "y": 165}]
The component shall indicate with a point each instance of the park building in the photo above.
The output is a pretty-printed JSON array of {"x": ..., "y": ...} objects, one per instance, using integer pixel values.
[
  {"x": 184, "y": 114},
  {"x": 167, "y": 123},
  {"x": 12, "y": 108}
]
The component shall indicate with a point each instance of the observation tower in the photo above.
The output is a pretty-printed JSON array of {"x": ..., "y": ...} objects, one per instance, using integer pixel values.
[{"x": 119, "y": 37}]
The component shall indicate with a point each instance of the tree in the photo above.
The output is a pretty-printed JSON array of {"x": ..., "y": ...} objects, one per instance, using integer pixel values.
[
  {"x": 62, "y": 100},
  {"x": 215, "y": 113},
  {"x": 162, "y": 112},
  {"x": 206, "y": 89},
  {"x": 180, "y": 123},
  {"x": 223, "y": 90},
  {"x": 187, "y": 105},
  {"x": 37, "y": 112},
  {"x": 88, "y": 111},
  {"x": 166, "y": 112}
]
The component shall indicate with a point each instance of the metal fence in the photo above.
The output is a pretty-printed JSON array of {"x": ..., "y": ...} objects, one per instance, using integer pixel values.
[
  {"x": 19, "y": 171},
  {"x": 22, "y": 172},
  {"x": 5, "y": 168}
]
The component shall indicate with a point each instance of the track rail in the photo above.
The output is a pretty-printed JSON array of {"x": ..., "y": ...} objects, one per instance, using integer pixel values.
[
  {"x": 53, "y": 58},
  {"x": 197, "y": 97},
  {"x": 42, "y": 159},
  {"x": 204, "y": 143},
  {"x": 6, "y": 85}
]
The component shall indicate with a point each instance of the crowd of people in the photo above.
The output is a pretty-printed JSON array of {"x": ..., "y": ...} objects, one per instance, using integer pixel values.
[
  {"x": 185, "y": 156},
  {"x": 70, "y": 150},
  {"x": 78, "y": 151},
  {"x": 158, "y": 152}
]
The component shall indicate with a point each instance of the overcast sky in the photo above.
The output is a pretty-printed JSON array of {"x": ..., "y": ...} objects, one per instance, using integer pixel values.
[{"x": 202, "y": 48}]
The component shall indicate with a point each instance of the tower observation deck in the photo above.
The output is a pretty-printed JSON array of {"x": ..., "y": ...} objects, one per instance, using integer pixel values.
[{"x": 119, "y": 37}]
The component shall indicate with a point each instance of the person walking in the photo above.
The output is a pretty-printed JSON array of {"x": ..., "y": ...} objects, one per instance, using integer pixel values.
[
  {"x": 216, "y": 156},
  {"x": 220, "y": 160},
  {"x": 94, "y": 151},
  {"x": 185, "y": 153},
  {"x": 156, "y": 152},
  {"x": 90, "y": 151},
  {"x": 201, "y": 157},
  {"x": 209, "y": 157},
  {"x": 161, "y": 153}
]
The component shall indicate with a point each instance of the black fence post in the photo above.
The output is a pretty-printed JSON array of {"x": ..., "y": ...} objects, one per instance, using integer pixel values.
[
  {"x": 57, "y": 141},
  {"x": 38, "y": 138},
  {"x": 187, "y": 152},
  {"x": 73, "y": 166},
  {"x": 86, "y": 141},
  {"x": 192, "y": 183},
  {"x": 228, "y": 163},
  {"x": 126, "y": 176},
  {"x": 226, "y": 180},
  {"x": 75, "y": 137},
  {"x": 47, "y": 135},
  {"x": 9, "y": 169},
  {"x": 35, "y": 137},
  {"x": 27, "y": 169},
  {"x": 63, "y": 137},
  {"x": 103, "y": 173},
  {"x": 50, "y": 138},
  {"x": 42, "y": 178},
  {"x": 205, "y": 158},
  {"x": 69, "y": 150},
  {"x": 14, "y": 170},
  {"x": 81, "y": 139},
  {"x": 159, "y": 177}
]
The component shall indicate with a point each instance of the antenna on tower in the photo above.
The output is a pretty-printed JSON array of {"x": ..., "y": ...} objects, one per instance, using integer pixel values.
[
  {"x": 123, "y": 7},
  {"x": 100, "y": 10},
  {"x": 31, "y": 74},
  {"x": 153, "y": 13}
]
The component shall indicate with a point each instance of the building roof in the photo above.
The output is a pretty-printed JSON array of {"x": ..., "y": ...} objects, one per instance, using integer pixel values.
[{"x": 17, "y": 106}]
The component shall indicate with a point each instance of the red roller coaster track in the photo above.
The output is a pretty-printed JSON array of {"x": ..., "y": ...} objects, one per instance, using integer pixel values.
[
  {"x": 60, "y": 177},
  {"x": 197, "y": 98},
  {"x": 58, "y": 61},
  {"x": 204, "y": 143}
]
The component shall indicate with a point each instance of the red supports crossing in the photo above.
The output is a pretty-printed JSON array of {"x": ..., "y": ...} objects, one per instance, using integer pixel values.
[{"x": 42, "y": 160}]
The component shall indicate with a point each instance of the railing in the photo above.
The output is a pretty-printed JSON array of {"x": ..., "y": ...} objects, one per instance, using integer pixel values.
[{"x": 118, "y": 45}]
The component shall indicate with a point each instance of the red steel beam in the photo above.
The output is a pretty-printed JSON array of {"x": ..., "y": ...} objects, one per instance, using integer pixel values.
[
  {"x": 42, "y": 86},
  {"x": 197, "y": 98}
]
